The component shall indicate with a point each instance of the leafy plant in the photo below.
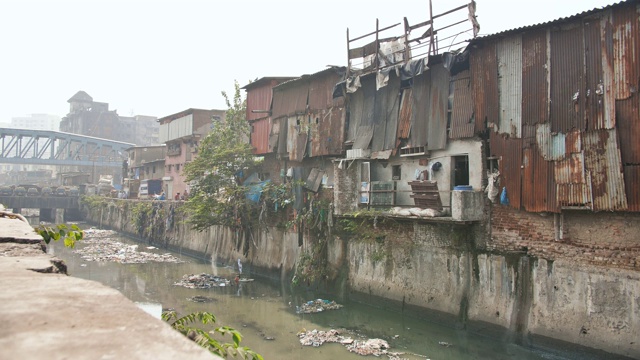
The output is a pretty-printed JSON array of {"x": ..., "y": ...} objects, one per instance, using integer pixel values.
[
  {"x": 206, "y": 339},
  {"x": 69, "y": 234}
]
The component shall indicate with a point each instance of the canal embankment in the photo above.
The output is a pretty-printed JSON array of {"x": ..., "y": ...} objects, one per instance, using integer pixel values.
[
  {"x": 50, "y": 315},
  {"x": 436, "y": 266}
]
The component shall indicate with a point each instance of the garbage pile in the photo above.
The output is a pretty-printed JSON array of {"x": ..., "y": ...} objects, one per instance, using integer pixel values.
[
  {"x": 103, "y": 249},
  {"x": 202, "y": 281},
  {"x": 202, "y": 299},
  {"x": 94, "y": 233},
  {"x": 316, "y": 306},
  {"x": 376, "y": 347}
]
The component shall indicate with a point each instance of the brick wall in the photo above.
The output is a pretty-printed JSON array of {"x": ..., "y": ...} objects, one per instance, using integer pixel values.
[{"x": 602, "y": 239}]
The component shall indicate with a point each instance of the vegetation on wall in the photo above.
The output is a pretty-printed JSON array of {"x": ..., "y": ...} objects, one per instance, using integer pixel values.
[{"x": 70, "y": 234}]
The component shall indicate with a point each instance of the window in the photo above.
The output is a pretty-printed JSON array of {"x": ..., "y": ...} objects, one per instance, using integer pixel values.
[
  {"x": 177, "y": 167},
  {"x": 154, "y": 169},
  {"x": 460, "y": 170},
  {"x": 396, "y": 173}
]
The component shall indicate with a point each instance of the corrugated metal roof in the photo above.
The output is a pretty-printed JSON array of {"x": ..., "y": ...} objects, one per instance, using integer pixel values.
[
  {"x": 267, "y": 80},
  {"x": 602, "y": 159},
  {"x": 553, "y": 22},
  {"x": 509, "y": 56},
  {"x": 462, "y": 122}
]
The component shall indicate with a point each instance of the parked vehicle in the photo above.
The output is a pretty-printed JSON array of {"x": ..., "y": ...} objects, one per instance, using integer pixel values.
[
  {"x": 47, "y": 191},
  {"x": 6, "y": 191},
  {"x": 74, "y": 191},
  {"x": 149, "y": 188},
  {"x": 61, "y": 191},
  {"x": 33, "y": 192},
  {"x": 20, "y": 191}
]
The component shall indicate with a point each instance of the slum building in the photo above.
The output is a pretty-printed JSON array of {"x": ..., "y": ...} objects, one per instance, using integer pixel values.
[{"x": 559, "y": 105}]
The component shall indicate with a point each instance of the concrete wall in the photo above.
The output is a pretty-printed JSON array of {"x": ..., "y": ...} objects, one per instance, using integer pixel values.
[{"x": 509, "y": 272}]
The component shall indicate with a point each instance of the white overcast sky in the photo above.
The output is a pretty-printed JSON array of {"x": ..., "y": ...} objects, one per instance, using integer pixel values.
[{"x": 159, "y": 57}]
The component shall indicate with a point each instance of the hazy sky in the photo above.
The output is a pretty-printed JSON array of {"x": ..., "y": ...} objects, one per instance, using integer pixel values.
[{"x": 159, "y": 57}]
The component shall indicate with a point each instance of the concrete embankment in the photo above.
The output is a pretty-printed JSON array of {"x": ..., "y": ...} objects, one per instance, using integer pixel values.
[
  {"x": 438, "y": 266},
  {"x": 49, "y": 315}
]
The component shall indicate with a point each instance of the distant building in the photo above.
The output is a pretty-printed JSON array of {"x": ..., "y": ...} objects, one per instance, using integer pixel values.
[
  {"x": 182, "y": 133},
  {"x": 36, "y": 122},
  {"x": 91, "y": 118},
  {"x": 146, "y": 162}
]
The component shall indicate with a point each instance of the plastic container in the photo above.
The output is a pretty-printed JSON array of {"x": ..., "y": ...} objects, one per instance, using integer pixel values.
[{"x": 463, "y": 188}]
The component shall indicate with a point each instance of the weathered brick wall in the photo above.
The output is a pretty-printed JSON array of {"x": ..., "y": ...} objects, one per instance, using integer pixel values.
[{"x": 603, "y": 239}]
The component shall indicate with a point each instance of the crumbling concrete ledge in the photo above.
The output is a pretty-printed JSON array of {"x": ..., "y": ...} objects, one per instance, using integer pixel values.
[{"x": 49, "y": 315}]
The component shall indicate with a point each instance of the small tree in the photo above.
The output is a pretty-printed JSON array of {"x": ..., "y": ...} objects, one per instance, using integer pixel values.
[{"x": 225, "y": 157}]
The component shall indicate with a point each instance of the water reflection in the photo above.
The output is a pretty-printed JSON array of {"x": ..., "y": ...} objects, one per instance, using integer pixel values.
[{"x": 266, "y": 314}]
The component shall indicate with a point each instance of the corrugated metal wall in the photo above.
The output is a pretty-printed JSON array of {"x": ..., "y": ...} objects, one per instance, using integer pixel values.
[
  {"x": 259, "y": 98},
  {"x": 462, "y": 122},
  {"x": 509, "y": 55},
  {"x": 290, "y": 99},
  {"x": 484, "y": 82},
  {"x": 580, "y": 139},
  {"x": 260, "y": 130}
]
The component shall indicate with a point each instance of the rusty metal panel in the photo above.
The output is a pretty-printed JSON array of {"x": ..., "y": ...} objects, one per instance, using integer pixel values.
[
  {"x": 567, "y": 79},
  {"x": 462, "y": 124},
  {"x": 282, "y": 127},
  {"x": 385, "y": 115},
  {"x": 484, "y": 82},
  {"x": 297, "y": 137},
  {"x": 361, "y": 108},
  {"x": 509, "y": 151},
  {"x": 573, "y": 183},
  {"x": 626, "y": 45},
  {"x": 509, "y": 55},
  {"x": 602, "y": 160},
  {"x": 594, "y": 75},
  {"x": 608, "y": 88},
  {"x": 290, "y": 98},
  {"x": 420, "y": 105},
  {"x": 552, "y": 146},
  {"x": 573, "y": 142},
  {"x": 260, "y": 136},
  {"x": 535, "y": 85},
  {"x": 438, "y": 107},
  {"x": 631, "y": 181},
  {"x": 327, "y": 132},
  {"x": 259, "y": 98},
  {"x": 538, "y": 183},
  {"x": 628, "y": 124},
  {"x": 321, "y": 90},
  {"x": 404, "y": 118}
]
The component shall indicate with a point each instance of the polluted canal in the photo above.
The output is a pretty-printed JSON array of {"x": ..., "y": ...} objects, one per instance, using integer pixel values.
[{"x": 277, "y": 320}]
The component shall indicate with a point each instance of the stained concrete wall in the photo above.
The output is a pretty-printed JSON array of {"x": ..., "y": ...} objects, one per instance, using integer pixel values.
[{"x": 437, "y": 265}]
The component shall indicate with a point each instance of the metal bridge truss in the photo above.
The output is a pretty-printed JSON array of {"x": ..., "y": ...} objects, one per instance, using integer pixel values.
[{"x": 23, "y": 146}]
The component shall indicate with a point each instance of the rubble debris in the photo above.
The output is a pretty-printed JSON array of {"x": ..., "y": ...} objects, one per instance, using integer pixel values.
[
  {"x": 444, "y": 343},
  {"x": 101, "y": 248},
  {"x": 94, "y": 233},
  {"x": 202, "y": 281},
  {"x": 316, "y": 306},
  {"x": 376, "y": 347}
]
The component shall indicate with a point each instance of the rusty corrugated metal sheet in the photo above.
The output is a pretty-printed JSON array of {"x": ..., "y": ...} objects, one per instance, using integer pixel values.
[
  {"x": 608, "y": 89},
  {"x": 573, "y": 183},
  {"x": 260, "y": 130},
  {"x": 567, "y": 79},
  {"x": 438, "y": 105},
  {"x": 602, "y": 160},
  {"x": 290, "y": 98},
  {"x": 510, "y": 153},
  {"x": 385, "y": 115},
  {"x": 509, "y": 55},
  {"x": 274, "y": 134},
  {"x": 594, "y": 75},
  {"x": 404, "y": 119},
  {"x": 420, "y": 105},
  {"x": 573, "y": 142},
  {"x": 538, "y": 184},
  {"x": 297, "y": 137},
  {"x": 484, "y": 81},
  {"x": 462, "y": 124},
  {"x": 535, "y": 84},
  {"x": 321, "y": 90},
  {"x": 628, "y": 124},
  {"x": 626, "y": 45},
  {"x": 327, "y": 132},
  {"x": 259, "y": 98},
  {"x": 552, "y": 146},
  {"x": 631, "y": 181}
]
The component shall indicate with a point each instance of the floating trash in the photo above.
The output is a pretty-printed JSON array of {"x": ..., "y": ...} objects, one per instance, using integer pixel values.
[
  {"x": 202, "y": 299},
  {"x": 316, "y": 306},
  {"x": 376, "y": 347},
  {"x": 202, "y": 281},
  {"x": 102, "y": 248}
]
